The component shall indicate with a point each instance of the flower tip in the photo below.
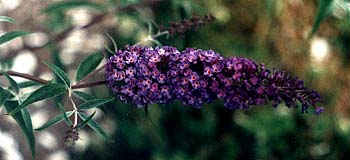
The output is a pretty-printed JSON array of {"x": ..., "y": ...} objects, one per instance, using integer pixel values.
[{"x": 319, "y": 110}]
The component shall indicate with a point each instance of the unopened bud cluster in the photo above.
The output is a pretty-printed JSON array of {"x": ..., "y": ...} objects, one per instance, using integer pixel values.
[
  {"x": 187, "y": 24},
  {"x": 145, "y": 75},
  {"x": 71, "y": 137}
]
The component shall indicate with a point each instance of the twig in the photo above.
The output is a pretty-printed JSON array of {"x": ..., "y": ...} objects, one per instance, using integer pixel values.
[
  {"x": 43, "y": 81},
  {"x": 75, "y": 109},
  {"x": 27, "y": 76}
]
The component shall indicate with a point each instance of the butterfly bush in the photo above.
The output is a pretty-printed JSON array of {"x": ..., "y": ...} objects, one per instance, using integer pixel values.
[{"x": 145, "y": 75}]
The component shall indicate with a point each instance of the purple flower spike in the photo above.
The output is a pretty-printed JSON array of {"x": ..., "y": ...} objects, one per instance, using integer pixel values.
[{"x": 146, "y": 75}]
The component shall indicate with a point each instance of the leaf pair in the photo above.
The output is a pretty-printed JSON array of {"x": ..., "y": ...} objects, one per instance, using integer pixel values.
[
  {"x": 91, "y": 102},
  {"x": 86, "y": 66},
  {"x": 65, "y": 116},
  {"x": 87, "y": 120}
]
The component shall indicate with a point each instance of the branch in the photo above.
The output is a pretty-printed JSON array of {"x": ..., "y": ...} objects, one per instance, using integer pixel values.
[{"x": 27, "y": 76}]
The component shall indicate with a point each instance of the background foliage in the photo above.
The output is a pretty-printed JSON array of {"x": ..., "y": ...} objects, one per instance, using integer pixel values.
[{"x": 280, "y": 33}]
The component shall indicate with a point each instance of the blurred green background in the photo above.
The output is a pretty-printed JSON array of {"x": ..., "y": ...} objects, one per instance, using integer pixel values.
[{"x": 273, "y": 32}]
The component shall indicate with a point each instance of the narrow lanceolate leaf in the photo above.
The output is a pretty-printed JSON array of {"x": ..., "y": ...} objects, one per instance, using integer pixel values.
[
  {"x": 94, "y": 103},
  {"x": 47, "y": 91},
  {"x": 54, "y": 121},
  {"x": 14, "y": 86},
  {"x": 85, "y": 122},
  {"x": 7, "y": 19},
  {"x": 4, "y": 94},
  {"x": 66, "y": 118},
  {"x": 83, "y": 96},
  {"x": 12, "y": 35},
  {"x": 60, "y": 73},
  {"x": 94, "y": 126},
  {"x": 109, "y": 50},
  {"x": 322, "y": 12},
  {"x": 150, "y": 27},
  {"x": 88, "y": 64},
  {"x": 28, "y": 84},
  {"x": 25, "y": 123},
  {"x": 114, "y": 44},
  {"x": 68, "y": 4}
]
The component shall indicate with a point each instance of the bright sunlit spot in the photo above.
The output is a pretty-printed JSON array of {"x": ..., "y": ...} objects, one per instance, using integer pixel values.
[
  {"x": 6, "y": 5},
  {"x": 24, "y": 62},
  {"x": 58, "y": 155},
  {"x": 47, "y": 140},
  {"x": 319, "y": 49},
  {"x": 80, "y": 16},
  {"x": 9, "y": 147}
]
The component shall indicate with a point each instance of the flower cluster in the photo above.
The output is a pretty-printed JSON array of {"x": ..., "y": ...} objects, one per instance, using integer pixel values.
[{"x": 146, "y": 75}]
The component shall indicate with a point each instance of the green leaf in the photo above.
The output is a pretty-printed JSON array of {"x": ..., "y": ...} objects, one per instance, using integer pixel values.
[
  {"x": 322, "y": 12},
  {"x": 64, "y": 5},
  {"x": 84, "y": 123},
  {"x": 25, "y": 123},
  {"x": 60, "y": 73},
  {"x": 14, "y": 87},
  {"x": 12, "y": 35},
  {"x": 47, "y": 91},
  {"x": 7, "y": 19},
  {"x": 28, "y": 84},
  {"x": 94, "y": 103},
  {"x": 83, "y": 96},
  {"x": 54, "y": 121},
  {"x": 94, "y": 126},
  {"x": 88, "y": 64},
  {"x": 4, "y": 94},
  {"x": 68, "y": 121}
]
